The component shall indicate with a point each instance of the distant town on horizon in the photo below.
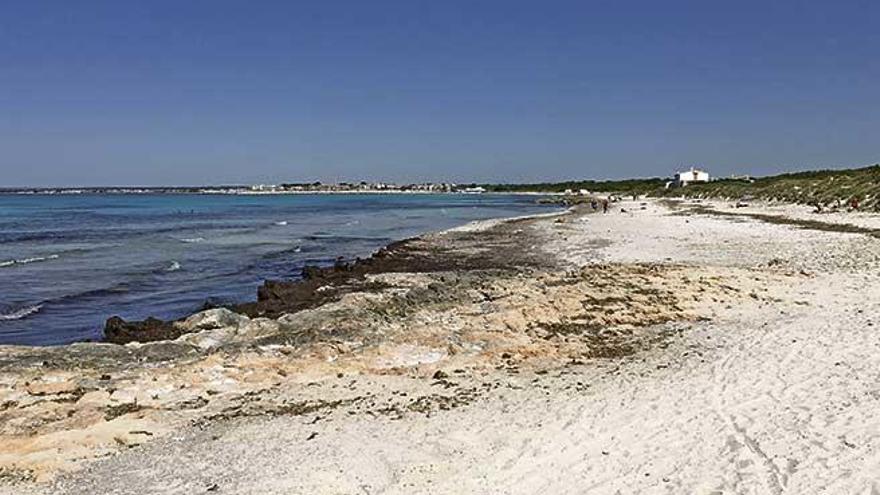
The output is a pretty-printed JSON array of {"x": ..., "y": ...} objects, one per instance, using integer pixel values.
[{"x": 682, "y": 176}]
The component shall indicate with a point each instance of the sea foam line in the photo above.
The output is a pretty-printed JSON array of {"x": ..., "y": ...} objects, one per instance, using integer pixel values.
[
  {"x": 25, "y": 261},
  {"x": 21, "y": 313}
]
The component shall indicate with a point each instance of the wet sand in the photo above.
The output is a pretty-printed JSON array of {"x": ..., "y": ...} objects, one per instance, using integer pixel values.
[{"x": 661, "y": 348}]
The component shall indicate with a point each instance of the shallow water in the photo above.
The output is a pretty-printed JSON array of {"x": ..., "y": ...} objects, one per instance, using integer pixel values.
[{"x": 69, "y": 262}]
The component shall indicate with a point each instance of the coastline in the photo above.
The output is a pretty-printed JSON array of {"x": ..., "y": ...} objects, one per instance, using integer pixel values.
[
  {"x": 319, "y": 285},
  {"x": 529, "y": 330},
  {"x": 243, "y": 192},
  {"x": 170, "y": 256},
  {"x": 88, "y": 373}
]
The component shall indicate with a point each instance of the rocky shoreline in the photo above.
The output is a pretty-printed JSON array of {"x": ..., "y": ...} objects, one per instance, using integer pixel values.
[
  {"x": 45, "y": 390},
  {"x": 571, "y": 333},
  {"x": 454, "y": 251}
]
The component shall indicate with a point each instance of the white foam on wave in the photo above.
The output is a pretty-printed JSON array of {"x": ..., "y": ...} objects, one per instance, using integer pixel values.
[
  {"x": 281, "y": 223},
  {"x": 25, "y": 261},
  {"x": 173, "y": 267},
  {"x": 21, "y": 313},
  {"x": 192, "y": 240}
]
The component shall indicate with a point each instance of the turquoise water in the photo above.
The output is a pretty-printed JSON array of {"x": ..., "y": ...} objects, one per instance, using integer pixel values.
[{"x": 68, "y": 262}]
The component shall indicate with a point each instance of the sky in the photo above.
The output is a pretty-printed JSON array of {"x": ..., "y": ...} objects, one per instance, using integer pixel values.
[{"x": 190, "y": 92}]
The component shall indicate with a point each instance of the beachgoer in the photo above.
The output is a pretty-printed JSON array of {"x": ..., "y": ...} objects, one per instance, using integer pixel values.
[{"x": 604, "y": 206}]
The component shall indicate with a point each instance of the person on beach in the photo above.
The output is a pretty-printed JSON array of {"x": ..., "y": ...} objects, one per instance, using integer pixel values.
[{"x": 604, "y": 206}]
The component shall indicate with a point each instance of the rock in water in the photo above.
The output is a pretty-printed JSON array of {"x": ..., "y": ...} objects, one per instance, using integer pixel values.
[{"x": 119, "y": 331}]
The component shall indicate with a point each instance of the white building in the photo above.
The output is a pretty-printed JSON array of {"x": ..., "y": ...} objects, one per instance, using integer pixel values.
[
  {"x": 474, "y": 190},
  {"x": 692, "y": 175}
]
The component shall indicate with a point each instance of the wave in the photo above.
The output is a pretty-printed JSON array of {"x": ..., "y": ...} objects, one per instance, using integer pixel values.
[
  {"x": 94, "y": 233},
  {"x": 11, "y": 237},
  {"x": 331, "y": 238},
  {"x": 25, "y": 261},
  {"x": 281, "y": 223},
  {"x": 173, "y": 267},
  {"x": 192, "y": 240},
  {"x": 282, "y": 253},
  {"x": 20, "y": 313}
]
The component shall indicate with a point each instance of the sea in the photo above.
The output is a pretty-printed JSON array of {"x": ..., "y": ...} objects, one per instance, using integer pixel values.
[{"x": 70, "y": 261}]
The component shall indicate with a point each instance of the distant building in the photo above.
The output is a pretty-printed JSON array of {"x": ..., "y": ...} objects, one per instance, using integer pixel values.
[
  {"x": 693, "y": 175},
  {"x": 743, "y": 178},
  {"x": 473, "y": 190}
]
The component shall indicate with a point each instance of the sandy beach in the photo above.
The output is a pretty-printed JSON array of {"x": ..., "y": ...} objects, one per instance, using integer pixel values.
[{"x": 664, "y": 347}]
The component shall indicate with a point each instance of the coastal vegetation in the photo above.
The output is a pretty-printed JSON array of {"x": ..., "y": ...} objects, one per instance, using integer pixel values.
[
  {"x": 630, "y": 186},
  {"x": 823, "y": 188}
]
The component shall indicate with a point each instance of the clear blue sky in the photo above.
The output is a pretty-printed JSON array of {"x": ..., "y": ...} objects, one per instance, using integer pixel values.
[{"x": 207, "y": 92}]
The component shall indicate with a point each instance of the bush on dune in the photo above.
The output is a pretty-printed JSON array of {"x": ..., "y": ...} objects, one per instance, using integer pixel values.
[{"x": 826, "y": 188}]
